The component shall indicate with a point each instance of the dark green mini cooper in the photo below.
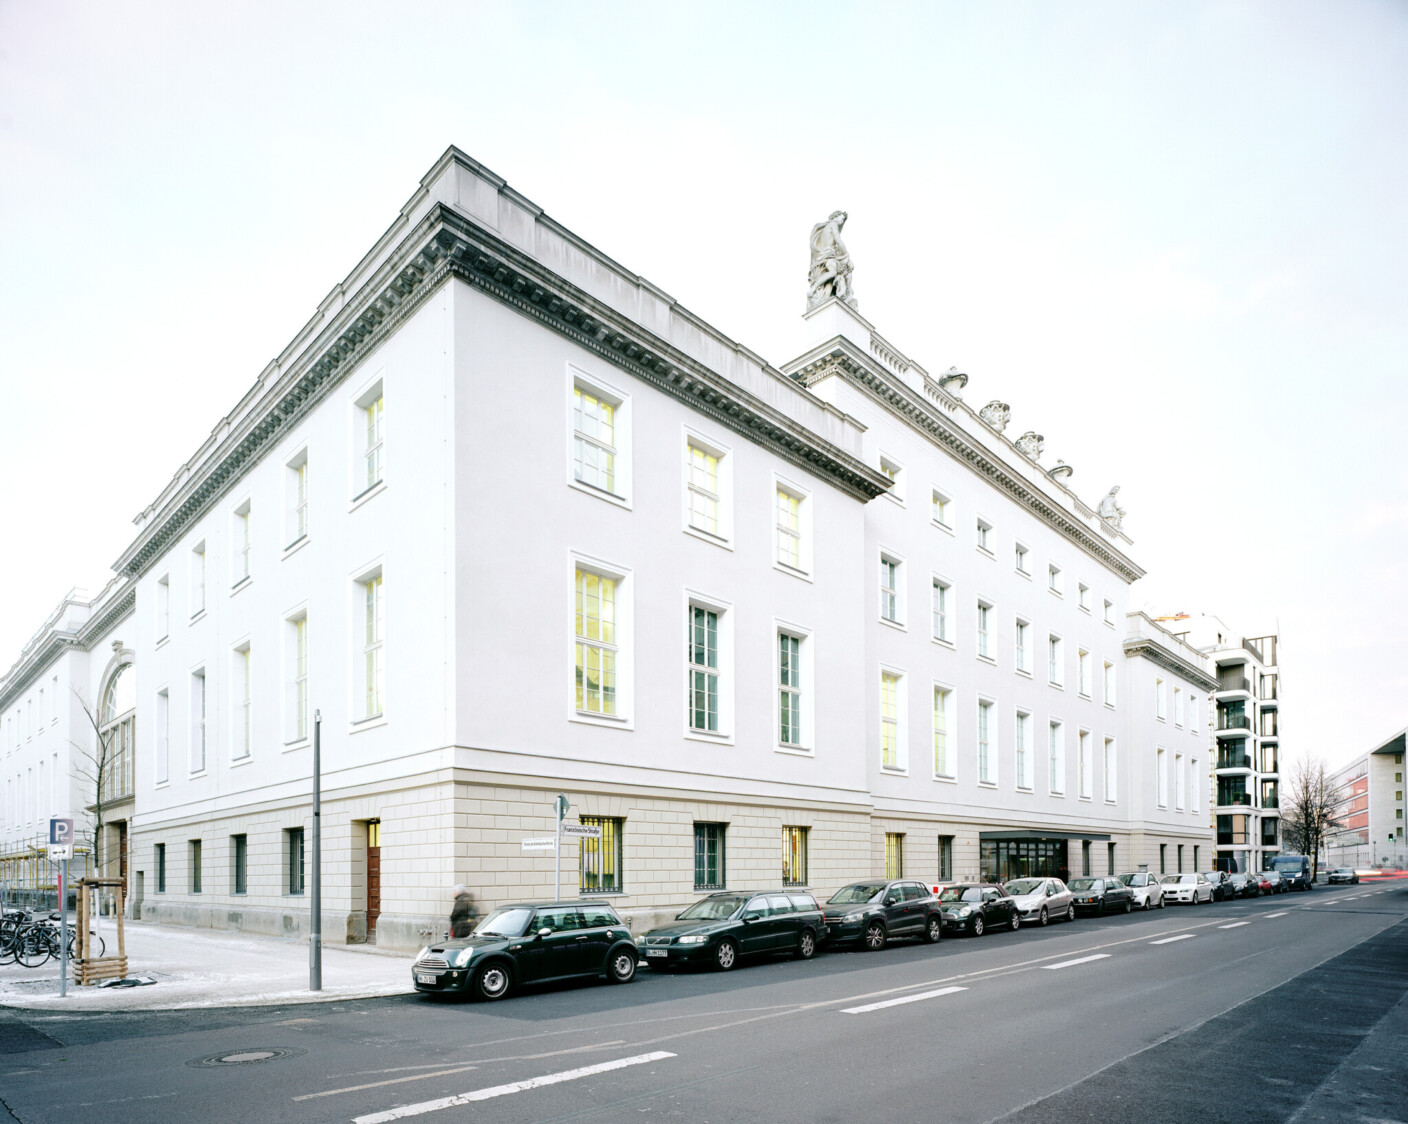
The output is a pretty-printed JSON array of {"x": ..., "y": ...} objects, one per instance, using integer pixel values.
[{"x": 536, "y": 942}]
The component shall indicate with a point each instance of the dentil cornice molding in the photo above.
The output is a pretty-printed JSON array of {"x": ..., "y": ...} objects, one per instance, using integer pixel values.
[{"x": 1155, "y": 653}]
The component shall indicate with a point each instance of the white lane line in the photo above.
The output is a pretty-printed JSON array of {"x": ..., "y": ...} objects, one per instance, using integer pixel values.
[
  {"x": 900, "y": 1000},
  {"x": 1082, "y": 960},
  {"x": 1235, "y": 925},
  {"x": 504, "y": 1090},
  {"x": 1278, "y": 913},
  {"x": 1180, "y": 937}
]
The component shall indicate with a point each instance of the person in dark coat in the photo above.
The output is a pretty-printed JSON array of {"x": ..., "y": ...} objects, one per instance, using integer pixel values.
[{"x": 463, "y": 914}]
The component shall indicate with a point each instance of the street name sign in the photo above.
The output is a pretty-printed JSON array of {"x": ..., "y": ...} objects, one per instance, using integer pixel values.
[
  {"x": 582, "y": 830},
  {"x": 548, "y": 844}
]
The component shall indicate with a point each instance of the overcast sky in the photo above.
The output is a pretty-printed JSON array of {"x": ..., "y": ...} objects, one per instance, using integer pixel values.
[{"x": 1173, "y": 237}]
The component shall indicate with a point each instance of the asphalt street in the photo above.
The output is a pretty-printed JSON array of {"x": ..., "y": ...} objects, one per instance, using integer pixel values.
[{"x": 1285, "y": 1008}]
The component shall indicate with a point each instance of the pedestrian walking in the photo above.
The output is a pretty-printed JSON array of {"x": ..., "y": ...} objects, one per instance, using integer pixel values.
[{"x": 463, "y": 914}]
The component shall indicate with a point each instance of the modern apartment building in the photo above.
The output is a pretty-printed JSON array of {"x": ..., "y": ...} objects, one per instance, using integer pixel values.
[
  {"x": 506, "y": 521},
  {"x": 1370, "y": 808}
]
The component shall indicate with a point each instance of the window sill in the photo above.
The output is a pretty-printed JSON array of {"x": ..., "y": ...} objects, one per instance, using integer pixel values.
[
  {"x": 297, "y": 743},
  {"x": 898, "y": 501},
  {"x": 1084, "y": 609},
  {"x": 606, "y": 721},
  {"x": 1055, "y": 593},
  {"x": 366, "y": 495},
  {"x": 987, "y": 784},
  {"x": 986, "y": 552},
  {"x": 1056, "y": 686},
  {"x": 705, "y": 736},
  {"x": 1024, "y": 788},
  {"x": 1109, "y": 706},
  {"x": 894, "y": 771},
  {"x": 1023, "y": 672},
  {"x": 196, "y": 775},
  {"x": 792, "y": 571},
  {"x": 946, "y": 528},
  {"x": 987, "y": 659},
  {"x": 940, "y": 777},
  {"x": 371, "y": 722},
  {"x": 942, "y": 643},
  {"x": 243, "y": 584},
  {"x": 1109, "y": 624},
  {"x": 1085, "y": 798},
  {"x": 247, "y": 759},
  {"x": 600, "y": 493},
  {"x": 162, "y": 642},
  {"x": 795, "y": 750},
  {"x": 1021, "y": 573},
  {"x": 199, "y": 615},
  {"x": 899, "y": 626},
  {"x": 600, "y": 893},
  {"x": 708, "y": 537},
  {"x": 294, "y": 547},
  {"x": 1084, "y": 694},
  {"x": 161, "y": 784}
]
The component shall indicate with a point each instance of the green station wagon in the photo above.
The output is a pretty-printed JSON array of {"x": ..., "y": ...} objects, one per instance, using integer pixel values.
[
  {"x": 531, "y": 943},
  {"x": 721, "y": 928}
]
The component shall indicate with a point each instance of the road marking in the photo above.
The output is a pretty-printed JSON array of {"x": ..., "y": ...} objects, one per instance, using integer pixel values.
[
  {"x": 1235, "y": 925},
  {"x": 504, "y": 1090},
  {"x": 379, "y": 1084},
  {"x": 1072, "y": 963},
  {"x": 1278, "y": 913},
  {"x": 1180, "y": 937},
  {"x": 901, "y": 999}
]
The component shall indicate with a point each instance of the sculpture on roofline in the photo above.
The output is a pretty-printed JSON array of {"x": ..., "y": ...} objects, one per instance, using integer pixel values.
[
  {"x": 1110, "y": 509},
  {"x": 1031, "y": 444},
  {"x": 996, "y": 414},
  {"x": 830, "y": 273}
]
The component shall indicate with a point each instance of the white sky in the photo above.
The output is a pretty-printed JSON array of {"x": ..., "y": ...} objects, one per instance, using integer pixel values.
[{"x": 1172, "y": 236}]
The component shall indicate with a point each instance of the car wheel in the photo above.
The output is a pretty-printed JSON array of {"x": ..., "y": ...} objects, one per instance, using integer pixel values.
[
  {"x": 978, "y": 926},
  {"x": 622, "y": 969},
  {"x": 1128, "y": 907},
  {"x": 492, "y": 982},
  {"x": 1070, "y": 913},
  {"x": 1016, "y": 920},
  {"x": 725, "y": 956},
  {"x": 1042, "y": 919},
  {"x": 1161, "y": 901},
  {"x": 934, "y": 930},
  {"x": 875, "y": 936},
  {"x": 806, "y": 945},
  {"x": 1102, "y": 907}
]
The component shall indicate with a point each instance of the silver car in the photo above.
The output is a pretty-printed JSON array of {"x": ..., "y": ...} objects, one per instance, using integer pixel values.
[
  {"x": 1190, "y": 888},
  {"x": 1148, "y": 890},
  {"x": 1042, "y": 899}
]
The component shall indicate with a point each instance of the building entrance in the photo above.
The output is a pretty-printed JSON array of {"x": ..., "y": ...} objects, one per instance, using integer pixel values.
[
  {"x": 1004, "y": 859},
  {"x": 373, "y": 878}
]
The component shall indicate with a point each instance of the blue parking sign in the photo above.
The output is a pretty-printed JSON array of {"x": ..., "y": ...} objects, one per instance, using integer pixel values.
[{"x": 61, "y": 833}]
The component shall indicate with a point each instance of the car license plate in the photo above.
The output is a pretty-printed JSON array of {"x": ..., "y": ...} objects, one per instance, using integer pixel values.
[
  {"x": 422, "y": 977},
  {"x": 656, "y": 952}
]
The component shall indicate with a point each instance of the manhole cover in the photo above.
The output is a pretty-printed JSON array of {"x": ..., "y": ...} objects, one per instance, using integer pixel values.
[{"x": 251, "y": 1056}]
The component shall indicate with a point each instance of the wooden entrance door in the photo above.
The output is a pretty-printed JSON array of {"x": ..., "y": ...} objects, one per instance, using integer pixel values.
[
  {"x": 373, "y": 878},
  {"x": 122, "y": 855}
]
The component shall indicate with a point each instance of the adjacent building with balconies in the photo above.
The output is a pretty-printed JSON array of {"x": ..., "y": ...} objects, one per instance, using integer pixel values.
[{"x": 1369, "y": 808}]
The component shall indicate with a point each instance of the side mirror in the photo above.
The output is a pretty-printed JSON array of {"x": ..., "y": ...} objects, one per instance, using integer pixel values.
[
  {"x": 748, "y": 917},
  {"x": 544, "y": 933},
  {"x": 891, "y": 901}
]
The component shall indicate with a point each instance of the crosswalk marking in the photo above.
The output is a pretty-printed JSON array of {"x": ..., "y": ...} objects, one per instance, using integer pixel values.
[
  {"x": 900, "y": 1000},
  {"x": 1082, "y": 960},
  {"x": 1180, "y": 937}
]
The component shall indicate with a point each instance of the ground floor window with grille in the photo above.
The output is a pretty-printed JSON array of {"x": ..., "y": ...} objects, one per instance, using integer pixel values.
[
  {"x": 945, "y": 858},
  {"x": 794, "y": 856},
  {"x": 1110, "y": 858},
  {"x": 161, "y": 868},
  {"x": 195, "y": 865},
  {"x": 239, "y": 850},
  {"x": 294, "y": 835},
  {"x": 709, "y": 872},
  {"x": 601, "y": 866},
  {"x": 894, "y": 854}
]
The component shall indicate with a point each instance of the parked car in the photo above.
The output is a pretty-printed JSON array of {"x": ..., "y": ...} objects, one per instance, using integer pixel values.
[
  {"x": 1101, "y": 895},
  {"x": 1279, "y": 885},
  {"x": 724, "y": 927},
  {"x": 1263, "y": 884},
  {"x": 1148, "y": 891},
  {"x": 873, "y": 912},
  {"x": 976, "y": 907},
  {"x": 1295, "y": 869},
  {"x": 1243, "y": 884},
  {"x": 533, "y": 942},
  {"x": 1042, "y": 899},
  {"x": 1344, "y": 874},
  {"x": 1190, "y": 888},
  {"x": 1222, "y": 888}
]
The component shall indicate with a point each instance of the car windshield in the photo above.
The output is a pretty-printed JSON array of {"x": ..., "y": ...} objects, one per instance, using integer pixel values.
[
  {"x": 855, "y": 895},
  {"x": 961, "y": 894},
  {"x": 506, "y": 922},
  {"x": 1287, "y": 862},
  {"x": 1084, "y": 883},
  {"x": 1023, "y": 886},
  {"x": 715, "y": 908},
  {"x": 1133, "y": 879}
]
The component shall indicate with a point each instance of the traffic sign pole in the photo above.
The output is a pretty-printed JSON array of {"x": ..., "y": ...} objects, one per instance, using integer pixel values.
[
  {"x": 63, "y": 928},
  {"x": 561, "y": 805},
  {"x": 315, "y": 942}
]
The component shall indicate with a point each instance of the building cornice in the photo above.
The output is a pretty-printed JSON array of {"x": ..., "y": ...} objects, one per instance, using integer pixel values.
[
  {"x": 846, "y": 361},
  {"x": 23, "y": 677},
  {"x": 1155, "y": 653},
  {"x": 96, "y": 627},
  {"x": 446, "y": 244}
]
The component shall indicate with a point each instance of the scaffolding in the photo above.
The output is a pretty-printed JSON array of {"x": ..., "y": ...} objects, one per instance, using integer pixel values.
[{"x": 29, "y": 879}]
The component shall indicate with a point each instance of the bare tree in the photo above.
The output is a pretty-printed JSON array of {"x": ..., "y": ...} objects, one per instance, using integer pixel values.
[
  {"x": 1310, "y": 813},
  {"x": 94, "y": 765}
]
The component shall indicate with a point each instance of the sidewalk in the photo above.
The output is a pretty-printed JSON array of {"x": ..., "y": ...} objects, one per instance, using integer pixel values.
[{"x": 211, "y": 968}]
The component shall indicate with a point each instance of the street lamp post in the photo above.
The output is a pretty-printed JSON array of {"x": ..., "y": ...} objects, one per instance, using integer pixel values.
[{"x": 315, "y": 943}]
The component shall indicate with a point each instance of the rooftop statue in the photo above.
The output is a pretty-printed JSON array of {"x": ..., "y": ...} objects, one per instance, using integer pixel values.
[
  {"x": 996, "y": 414},
  {"x": 1110, "y": 509},
  {"x": 830, "y": 274},
  {"x": 1031, "y": 444}
]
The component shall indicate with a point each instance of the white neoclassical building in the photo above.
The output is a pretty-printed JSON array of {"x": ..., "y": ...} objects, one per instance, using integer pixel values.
[{"x": 512, "y": 523}]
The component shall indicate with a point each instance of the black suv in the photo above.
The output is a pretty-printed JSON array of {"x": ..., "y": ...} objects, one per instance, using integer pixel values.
[
  {"x": 535, "y": 942},
  {"x": 721, "y": 928},
  {"x": 873, "y": 912}
]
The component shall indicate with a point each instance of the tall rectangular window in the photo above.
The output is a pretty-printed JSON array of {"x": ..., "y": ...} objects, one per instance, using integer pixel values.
[
  {"x": 198, "y": 579},
  {"x": 601, "y": 865},
  {"x": 163, "y": 607},
  {"x": 945, "y": 858},
  {"x": 240, "y": 528},
  {"x": 1110, "y": 778},
  {"x": 703, "y": 489},
  {"x": 789, "y": 529},
  {"x": 1023, "y": 646},
  {"x": 940, "y": 611},
  {"x": 986, "y": 772},
  {"x": 595, "y": 598},
  {"x": 789, "y": 689},
  {"x": 894, "y": 854},
  {"x": 1163, "y": 858},
  {"x": 703, "y": 669},
  {"x": 1085, "y": 858},
  {"x": 1179, "y": 782},
  {"x": 296, "y": 501},
  {"x": 1083, "y": 596},
  {"x": 889, "y": 720},
  {"x": 943, "y": 742},
  {"x": 939, "y": 509},
  {"x": 1053, "y": 578},
  {"x": 1159, "y": 706},
  {"x": 1109, "y": 687},
  {"x": 160, "y": 856},
  {"x": 1178, "y": 706},
  {"x": 193, "y": 852},
  {"x": 1083, "y": 675},
  {"x": 1110, "y": 866},
  {"x": 1086, "y": 766},
  {"x": 373, "y": 445},
  {"x": 239, "y": 861},
  {"x": 1022, "y": 561},
  {"x": 297, "y": 686},
  {"x": 163, "y": 737},
  {"x": 373, "y": 647},
  {"x": 794, "y": 856},
  {"x": 984, "y": 613},
  {"x": 293, "y": 844},
  {"x": 242, "y": 704},
  {"x": 1055, "y": 664},
  {"x": 889, "y": 589},
  {"x": 984, "y": 532},
  {"x": 593, "y": 439},
  {"x": 1195, "y": 803},
  {"x": 1180, "y": 858},
  {"x": 1056, "y": 758},
  {"x": 198, "y": 721},
  {"x": 1021, "y": 735},
  {"x": 709, "y": 871},
  {"x": 1162, "y": 778},
  {"x": 1109, "y": 612}
]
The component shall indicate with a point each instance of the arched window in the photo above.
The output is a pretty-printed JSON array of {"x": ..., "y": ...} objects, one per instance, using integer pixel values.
[{"x": 117, "y": 719}]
